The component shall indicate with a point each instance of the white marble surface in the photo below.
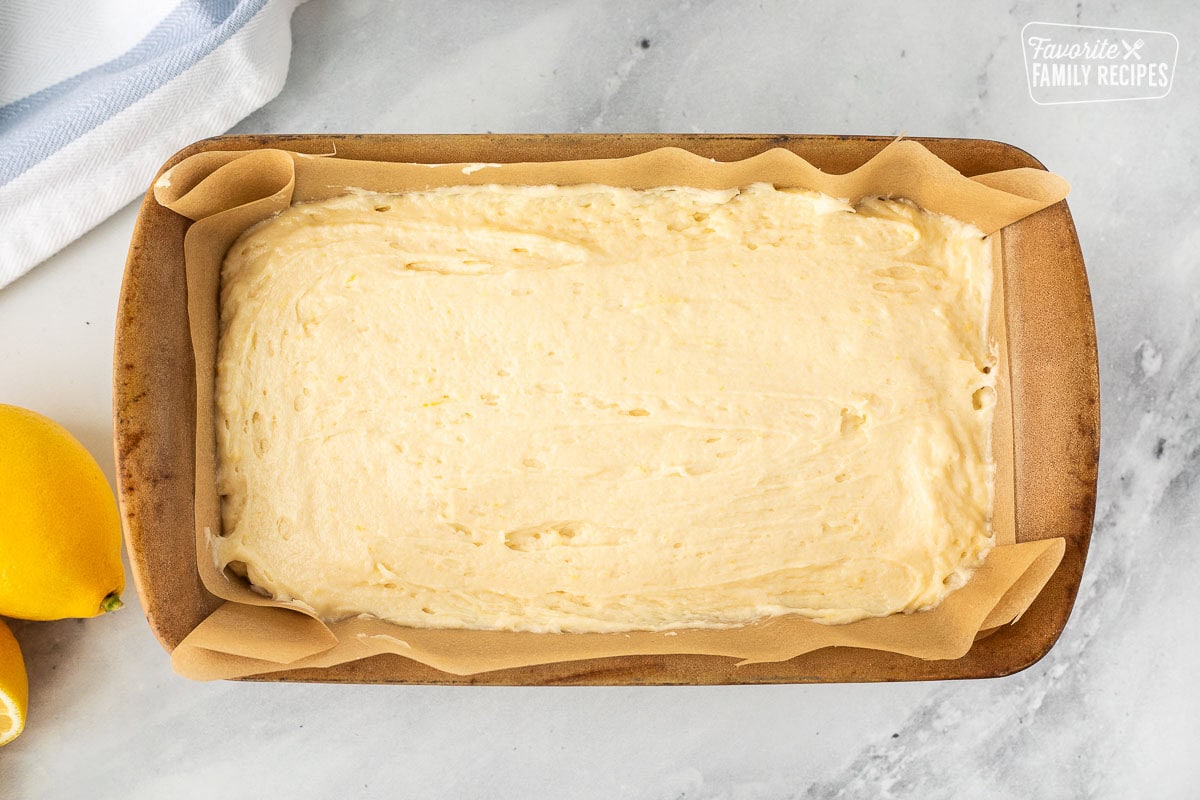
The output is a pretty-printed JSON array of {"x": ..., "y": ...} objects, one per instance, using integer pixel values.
[{"x": 1113, "y": 711}]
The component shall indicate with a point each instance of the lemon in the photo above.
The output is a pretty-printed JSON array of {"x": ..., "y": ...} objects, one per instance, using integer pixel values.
[
  {"x": 14, "y": 687},
  {"x": 60, "y": 535}
]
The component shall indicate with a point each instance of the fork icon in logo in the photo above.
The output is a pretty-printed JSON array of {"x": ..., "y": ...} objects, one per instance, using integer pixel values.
[{"x": 1132, "y": 49}]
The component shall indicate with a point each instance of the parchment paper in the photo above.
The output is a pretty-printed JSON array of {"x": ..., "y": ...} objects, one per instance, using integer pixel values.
[{"x": 225, "y": 192}]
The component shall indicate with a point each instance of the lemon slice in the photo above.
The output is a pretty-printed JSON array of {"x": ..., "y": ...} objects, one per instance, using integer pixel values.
[{"x": 14, "y": 687}]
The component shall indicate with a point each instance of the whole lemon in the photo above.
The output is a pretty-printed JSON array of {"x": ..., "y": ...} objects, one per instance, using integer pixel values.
[
  {"x": 60, "y": 535},
  {"x": 14, "y": 687}
]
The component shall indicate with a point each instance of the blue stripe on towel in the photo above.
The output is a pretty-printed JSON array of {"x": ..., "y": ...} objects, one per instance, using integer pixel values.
[{"x": 35, "y": 127}]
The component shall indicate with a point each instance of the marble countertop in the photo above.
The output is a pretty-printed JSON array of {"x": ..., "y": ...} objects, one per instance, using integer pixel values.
[{"x": 1112, "y": 711}]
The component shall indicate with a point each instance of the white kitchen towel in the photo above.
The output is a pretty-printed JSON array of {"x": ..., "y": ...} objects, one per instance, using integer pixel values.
[{"x": 94, "y": 96}]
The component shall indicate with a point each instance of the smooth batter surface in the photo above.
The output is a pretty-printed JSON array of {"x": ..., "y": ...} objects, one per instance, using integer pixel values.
[{"x": 599, "y": 409}]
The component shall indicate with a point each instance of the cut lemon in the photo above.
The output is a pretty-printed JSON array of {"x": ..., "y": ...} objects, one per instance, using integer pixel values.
[{"x": 14, "y": 687}]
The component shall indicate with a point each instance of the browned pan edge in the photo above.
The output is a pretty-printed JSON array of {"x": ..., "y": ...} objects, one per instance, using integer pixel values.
[{"x": 1055, "y": 383}]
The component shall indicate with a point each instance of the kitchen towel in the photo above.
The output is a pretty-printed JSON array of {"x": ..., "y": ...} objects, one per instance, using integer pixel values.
[{"x": 97, "y": 95}]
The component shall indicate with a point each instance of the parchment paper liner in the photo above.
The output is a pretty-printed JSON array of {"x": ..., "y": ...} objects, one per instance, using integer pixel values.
[{"x": 225, "y": 192}]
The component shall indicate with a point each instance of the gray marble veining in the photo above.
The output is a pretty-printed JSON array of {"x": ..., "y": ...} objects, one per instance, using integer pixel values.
[{"x": 1113, "y": 711}]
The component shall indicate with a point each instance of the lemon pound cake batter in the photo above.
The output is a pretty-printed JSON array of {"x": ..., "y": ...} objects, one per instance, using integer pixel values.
[{"x": 568, "y": 409}]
